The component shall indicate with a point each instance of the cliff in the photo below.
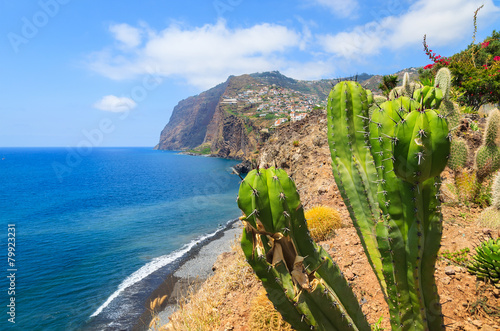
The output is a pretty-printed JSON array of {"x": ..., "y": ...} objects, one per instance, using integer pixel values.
[{"x": 233, "y": 119}]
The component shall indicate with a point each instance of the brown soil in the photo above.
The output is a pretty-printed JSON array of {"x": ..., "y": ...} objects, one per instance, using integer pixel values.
[{"x": 467, "y": 303}]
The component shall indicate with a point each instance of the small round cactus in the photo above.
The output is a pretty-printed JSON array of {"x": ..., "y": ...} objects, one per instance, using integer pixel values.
[{"x": 486, "y": 264}]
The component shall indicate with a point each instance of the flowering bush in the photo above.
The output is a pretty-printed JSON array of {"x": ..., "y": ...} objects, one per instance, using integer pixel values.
[{"x": 476, "y": 71}]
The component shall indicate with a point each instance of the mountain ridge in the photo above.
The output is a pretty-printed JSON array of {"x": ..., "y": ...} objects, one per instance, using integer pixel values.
[{"x": 233, "y": 119}]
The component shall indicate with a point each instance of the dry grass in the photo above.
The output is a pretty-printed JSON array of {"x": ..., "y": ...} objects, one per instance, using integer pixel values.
[
  {"x": 322, "y": 222},
  {"x": 263, "y": 315},
  {"x": 206, "y": 308}
]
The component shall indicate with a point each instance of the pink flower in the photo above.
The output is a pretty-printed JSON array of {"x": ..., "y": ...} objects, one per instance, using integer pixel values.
[
  {"x": 496, "y": 58},
  {"x": 429, "y": 66},
  {"x": 485, "y": 44}
]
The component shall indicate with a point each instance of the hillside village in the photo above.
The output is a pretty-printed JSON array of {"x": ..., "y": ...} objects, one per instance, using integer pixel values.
[{"x": 272, "y": 102}]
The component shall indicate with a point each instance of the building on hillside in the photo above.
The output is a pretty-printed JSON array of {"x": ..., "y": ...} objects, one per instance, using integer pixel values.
[
  {"x": 294, "y": 117},
  {"x": 280, "y": 121},
  {"x": 229, "y": 101}
]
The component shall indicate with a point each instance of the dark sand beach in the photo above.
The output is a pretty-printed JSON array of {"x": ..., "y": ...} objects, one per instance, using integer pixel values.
[{"x": 195, "y": 269}]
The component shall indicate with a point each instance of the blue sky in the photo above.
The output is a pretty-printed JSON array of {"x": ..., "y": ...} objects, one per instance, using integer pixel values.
[{"x": 109, "y": 72}]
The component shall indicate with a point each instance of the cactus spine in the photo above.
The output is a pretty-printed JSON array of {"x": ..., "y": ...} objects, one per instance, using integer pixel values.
[
  {"x": 300, "y": 278},
  {"x": 398, "y": 220}
]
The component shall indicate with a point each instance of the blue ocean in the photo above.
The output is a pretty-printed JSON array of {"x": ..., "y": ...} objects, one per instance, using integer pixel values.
[{"x": 97, "y": 230}]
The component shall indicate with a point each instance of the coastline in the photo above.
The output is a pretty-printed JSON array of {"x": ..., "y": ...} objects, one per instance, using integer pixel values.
[{"x": 191, "y": 272}]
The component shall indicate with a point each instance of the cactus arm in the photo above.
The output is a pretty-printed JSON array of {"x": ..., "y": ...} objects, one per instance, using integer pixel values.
[
  {"x": 300, "y": 277},
  {"x": 268, "y": 276},
  {"x": 318, "y": 259},
  {"x": 432, "y": 242},
  {"x": 347, "y": 120}
]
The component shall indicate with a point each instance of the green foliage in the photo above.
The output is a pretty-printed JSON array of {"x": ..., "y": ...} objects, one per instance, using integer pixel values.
[
  {"x": 459, "y": 257},
  {"x": 388, "y": 83},
  {"x": 476, "y": 75},
  {"x": 486, "y": 263},
  {"x": 295, "y": 143},
  {"x": 270, "y": 117}
]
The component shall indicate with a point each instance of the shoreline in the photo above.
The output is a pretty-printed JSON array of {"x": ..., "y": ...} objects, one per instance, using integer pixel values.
[{"x": 191, "y": 272}]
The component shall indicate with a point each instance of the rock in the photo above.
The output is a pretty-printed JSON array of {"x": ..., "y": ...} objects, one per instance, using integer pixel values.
[
  {"x": 477, "y": 323},
  {"x": 244, "y": 167},
  {"x": 449, "y": 270},
  {"x": 445, "y": 280}
]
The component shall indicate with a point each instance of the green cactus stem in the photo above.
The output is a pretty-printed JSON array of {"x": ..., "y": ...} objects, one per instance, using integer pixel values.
[
  {"x": 429, "y": 97},
  {"x": 422, "y": 146},
  {"x": 301, "y": 279}
]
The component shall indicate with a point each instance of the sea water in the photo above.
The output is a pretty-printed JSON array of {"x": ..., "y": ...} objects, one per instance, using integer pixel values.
[{"x": 96, "y": 232}]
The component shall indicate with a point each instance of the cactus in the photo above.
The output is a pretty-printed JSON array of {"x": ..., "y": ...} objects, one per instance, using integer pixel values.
[
  {"x": 495, "y": 192},
  {"x": 398, "y": 221},
  {"x": 491, "y": 134},
  {"x": 322, "y": 222},
  {"x": 490, "y": 217},
  {"x": 443, "y": 81},
  {"x": 486, "y": 264},
  {"x": 458, "y": 154},
  {"x": 488, "y": 155},
  {"x": 397, "y": 218},
  {"x": 429, "y": 97},
  {"x": 301, "y": 279},
  {"x": 420, "y": 144},
  {"x": 448, "y": 108}
]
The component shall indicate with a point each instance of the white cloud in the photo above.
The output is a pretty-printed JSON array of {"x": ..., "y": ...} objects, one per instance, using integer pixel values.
[
  {"x": 203, "y": 56},
  {"x": 115, "y": 104},
  {"x": 344, "y": 8},
  {"x": 444, "y": 22},
  {"x": 129, "y": 36}
]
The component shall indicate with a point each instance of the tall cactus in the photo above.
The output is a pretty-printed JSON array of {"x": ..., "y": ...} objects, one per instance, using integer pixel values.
[
  {"x": 448, "y": 108},
  {"x": 301, "y": 279},
  {"x": 488, "y": 155},
  {"x": 397, "y": 219}
]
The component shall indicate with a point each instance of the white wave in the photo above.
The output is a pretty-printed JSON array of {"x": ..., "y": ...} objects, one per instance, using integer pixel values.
[{"x": 151, "y": 267}]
